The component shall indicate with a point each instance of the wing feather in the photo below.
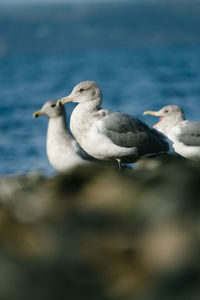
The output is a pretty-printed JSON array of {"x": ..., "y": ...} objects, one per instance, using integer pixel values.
[
  {"x": 189, "y": 133},
  {"x": 127, "y": 131}
]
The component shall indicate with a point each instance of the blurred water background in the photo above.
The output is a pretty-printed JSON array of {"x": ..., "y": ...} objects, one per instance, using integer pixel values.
[{"x": 143, "y": 54}]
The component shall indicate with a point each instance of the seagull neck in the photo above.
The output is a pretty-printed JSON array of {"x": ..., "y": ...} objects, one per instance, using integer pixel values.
[
  {"x": 175, "y": 120},
  {"x": 90, "y": 106},
  {"x": 58, "y": 122},
  {"x": 57, "y": 128},
  {"x": 166, "y": 124},
  {"x": 82, "y": 118}
]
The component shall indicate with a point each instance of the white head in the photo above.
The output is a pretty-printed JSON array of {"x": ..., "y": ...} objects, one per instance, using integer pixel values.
[
  {"x": 50, "y": 109},
  {"x": 85, "y": 91},
  {"x": 170, "y": 114}
]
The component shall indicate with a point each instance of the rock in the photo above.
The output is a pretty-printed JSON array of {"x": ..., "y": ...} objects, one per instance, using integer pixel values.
[{"x": 100, "y": 233}]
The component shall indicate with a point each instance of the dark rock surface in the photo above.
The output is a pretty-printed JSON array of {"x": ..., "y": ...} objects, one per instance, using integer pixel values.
[{"x": 100, "y": 233}]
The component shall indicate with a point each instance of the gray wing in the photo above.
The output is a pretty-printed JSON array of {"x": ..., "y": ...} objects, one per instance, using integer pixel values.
[
  {"x": 189, "y": 133},
  {"x": 127, "y": 131}
]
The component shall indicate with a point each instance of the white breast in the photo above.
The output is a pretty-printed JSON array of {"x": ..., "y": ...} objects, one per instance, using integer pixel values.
[{"x": 61, "y": 150}]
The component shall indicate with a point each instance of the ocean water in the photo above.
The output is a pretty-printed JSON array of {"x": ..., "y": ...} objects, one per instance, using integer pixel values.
[{"x": 132, "y": 81}]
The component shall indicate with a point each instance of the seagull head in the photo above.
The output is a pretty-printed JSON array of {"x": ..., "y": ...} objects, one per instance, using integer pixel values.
[
  {"x": 85, "y": 91},
  {"x": 50, "y": 109},
  {"x": 169, "y": 113}
]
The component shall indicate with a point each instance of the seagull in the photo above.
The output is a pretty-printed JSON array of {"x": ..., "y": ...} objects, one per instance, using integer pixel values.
[
  {"x": 106, "y": 134},
  {"x": 184, "y": 134},
  {"x": 63, "y": 151}
]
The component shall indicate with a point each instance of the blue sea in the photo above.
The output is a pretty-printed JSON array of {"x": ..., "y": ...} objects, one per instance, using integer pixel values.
[{"x": 133, "y": 79}]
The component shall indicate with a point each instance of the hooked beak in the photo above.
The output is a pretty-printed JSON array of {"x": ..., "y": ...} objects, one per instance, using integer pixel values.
[
  {"x": 64, "y": 100},
  {"x": 37, "y": 114}
]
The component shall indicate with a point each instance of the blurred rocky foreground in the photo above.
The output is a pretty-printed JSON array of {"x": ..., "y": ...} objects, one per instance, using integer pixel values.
[{"x": 101, "y": 233}]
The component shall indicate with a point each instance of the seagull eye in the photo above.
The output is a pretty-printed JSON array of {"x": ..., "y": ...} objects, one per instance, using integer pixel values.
[
  {"x": 81, "y": 90},
  {"x": 53, "y": 105},
  {"x": 166, "y": 111}
]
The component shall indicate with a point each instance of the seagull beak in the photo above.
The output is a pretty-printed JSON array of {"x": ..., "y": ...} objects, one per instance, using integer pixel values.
[
  {"x": 153, "y": 113},
  {"x": 64, "y": 100},
  {"x": 37, "y": 114}
]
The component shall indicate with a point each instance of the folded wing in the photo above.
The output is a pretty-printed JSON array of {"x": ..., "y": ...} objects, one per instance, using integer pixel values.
[
  {"x": 188, "y": 133},
  {"x": 127, "y": 131}
]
